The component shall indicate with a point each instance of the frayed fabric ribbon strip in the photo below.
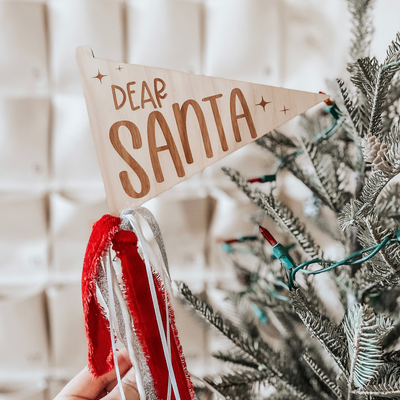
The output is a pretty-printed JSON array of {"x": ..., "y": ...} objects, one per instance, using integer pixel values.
[{"x": 145, "y": 285}]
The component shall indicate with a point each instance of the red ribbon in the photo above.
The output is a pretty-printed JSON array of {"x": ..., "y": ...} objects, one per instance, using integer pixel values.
[
  {"x": 139, "y": 301},
  {"x": 100, "y": 357}
]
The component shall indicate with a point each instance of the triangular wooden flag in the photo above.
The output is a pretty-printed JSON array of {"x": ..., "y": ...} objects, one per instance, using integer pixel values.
[{"x": 154, "y": 128}]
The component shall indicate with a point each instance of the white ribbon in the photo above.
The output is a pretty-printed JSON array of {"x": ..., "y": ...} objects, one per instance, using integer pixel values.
[
  {"x": 155, "y": 228},
  {"x": 129, "y": 217},
  {"x": 114, "y": 287},
  {"x": 148, "y": 254},
  {"x": 113, "y": 318}
]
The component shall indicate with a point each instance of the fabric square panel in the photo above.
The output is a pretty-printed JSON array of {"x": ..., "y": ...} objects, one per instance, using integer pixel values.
[
  {"x": 71, "y": 225},
  {"x": 242, "y": 40},
  {"x": 23, "y": 66},
  {"x": 23, "y": 390},
  {"x": 68, "y": 340},
  {"x": 23, "y": 238},
  {"x": 23, "y": 337},
  {"x": 24, "y": 139},
  {"x": 55, "y": 387},
  {"x": 315, "y": 46},
  {"x": 183, "y": 222},
  {"x": 74, "y": 157},
  {"x": 165, "y": 34},
  {"x": 73, "y": 23}
]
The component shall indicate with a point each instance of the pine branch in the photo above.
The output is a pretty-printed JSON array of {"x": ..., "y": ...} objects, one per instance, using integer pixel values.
[
  {"x": 356, "y": 113},
  {"x": 380, "y": 391},
  {"x": 327, "y": 179},
  {"x": 374, "y": 185},
  {"x": 283, "y": 396},
  {"x": 376, "y": 182},
  {"x": 242, "y": 316},
  {"x": 392, "y": 357},
  {"x": 240, "y": 383},
  {"x": 377, "y": 101},
  {"x": 388, "y": 207},
  {"x": 238, "y": 358},
  {"x": 393, "y": 51},
  {"x": 277, "y": 143},
  {"x": 362, "y": 28},
  {"x": 349, "y": 106},
  {"x": 358, "y": 209},
  {"x": 391, "y": 112},
  {"x": 374, "y": 81},
  {"x": 389, "y": 204},
  {"x": 365, "y": 154},
  {"x": 341, "y": 152},
  {"x": 331, "y": 336},
  {"x": 265, "y": 301},
  {"x": 367, "y": 279},
  {"x": 323, "y": 378},
  {"x": 298, "y": 172},
  {"x": 278, "y": 212},
  {"x": 392, "y": 337},
  {"x": 257, "y": 349},
  {"x": 371, "y": 233},
  {"x": 392, "y": 155},
  {"x": 325, "y": 223},
  {"x": 270, "y": 366},
  {"x": 364, "y": 332},
  {"x": 365, "y": 72}
]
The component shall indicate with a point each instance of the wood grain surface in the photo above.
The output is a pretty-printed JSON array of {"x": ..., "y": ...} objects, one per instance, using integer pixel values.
[{"x": 153, "y": 128}]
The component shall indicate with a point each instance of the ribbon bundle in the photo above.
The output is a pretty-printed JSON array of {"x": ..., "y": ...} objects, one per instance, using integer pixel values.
[{"x": 139, "y": 312}]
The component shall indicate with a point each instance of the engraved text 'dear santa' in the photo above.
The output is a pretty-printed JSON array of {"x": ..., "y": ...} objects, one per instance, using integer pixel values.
[{"x": 154, "y": 128}]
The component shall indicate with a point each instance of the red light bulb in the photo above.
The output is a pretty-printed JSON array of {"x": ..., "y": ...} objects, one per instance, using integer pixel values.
[
  {"x": 254, "y": 180},
  {"x": 268, "y": 237}
]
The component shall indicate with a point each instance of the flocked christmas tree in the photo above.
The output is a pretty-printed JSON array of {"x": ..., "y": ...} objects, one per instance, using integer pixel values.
[{"x": 354, "y": 152}]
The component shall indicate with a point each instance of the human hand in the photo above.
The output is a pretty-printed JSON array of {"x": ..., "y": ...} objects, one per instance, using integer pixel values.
[{"x": 83, "y": 387}]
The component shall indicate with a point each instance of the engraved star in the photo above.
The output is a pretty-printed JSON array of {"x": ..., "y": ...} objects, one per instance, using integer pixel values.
[
  {"x": 285, "y": 109},
  {"x": 99, "y": 76},
  {"x": 263, "y": 103},
  {"x": 119, "y": 68}
]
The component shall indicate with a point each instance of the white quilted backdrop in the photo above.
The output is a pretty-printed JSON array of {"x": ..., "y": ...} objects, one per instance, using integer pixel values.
[{"x": 50, "y": 186}]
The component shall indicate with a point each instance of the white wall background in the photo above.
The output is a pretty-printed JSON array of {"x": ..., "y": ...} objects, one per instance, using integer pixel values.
[{"x": 50, "y": 185}]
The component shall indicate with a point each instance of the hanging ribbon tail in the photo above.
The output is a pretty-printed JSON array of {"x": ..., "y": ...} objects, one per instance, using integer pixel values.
[
  {"x": 140, "y": 304},
  {"x": 100, "y": 355},
  {"x": 145, "y": 298}
]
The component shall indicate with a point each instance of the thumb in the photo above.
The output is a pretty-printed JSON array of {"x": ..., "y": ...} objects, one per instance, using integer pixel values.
[{"x": 130, "y": 388}]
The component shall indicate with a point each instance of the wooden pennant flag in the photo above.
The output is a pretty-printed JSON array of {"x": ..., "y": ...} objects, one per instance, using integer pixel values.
[{"x": 154, "y": 128}]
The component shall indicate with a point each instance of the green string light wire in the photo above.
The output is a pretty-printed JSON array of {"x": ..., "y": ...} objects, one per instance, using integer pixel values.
[
  {"x": 347, "y": 261},
  {"x": 280, "y": 283},
  {"x": 277, "y": 296},
  {"x": 255, "y": 278},
  {"x": 325, "y": 134},
  {"x": 328, "y": 132},
  {"x": 284, "y": 257}
]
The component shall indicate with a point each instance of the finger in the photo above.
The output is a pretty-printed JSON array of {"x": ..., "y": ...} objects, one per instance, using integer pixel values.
[
  {"x": 112, "y": 384},
  {"x": 83, "y": 385},
  {"x": 101, "y": 394},
  {"x": 130, "y": 388}
]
